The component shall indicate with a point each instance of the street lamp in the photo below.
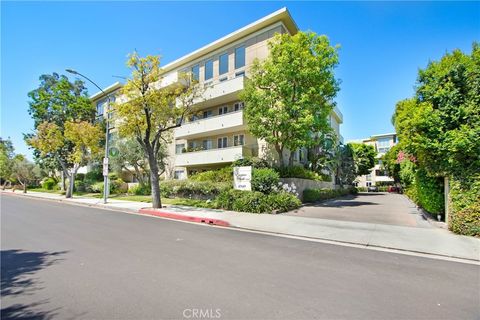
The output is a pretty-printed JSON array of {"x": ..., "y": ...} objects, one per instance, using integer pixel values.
[{"x": 105, "y": 159}]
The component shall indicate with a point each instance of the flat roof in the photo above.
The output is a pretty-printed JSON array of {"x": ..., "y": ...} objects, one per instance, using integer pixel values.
[
  {"x": 117, "y": 85},
  {"x": 282, "y": 15}
]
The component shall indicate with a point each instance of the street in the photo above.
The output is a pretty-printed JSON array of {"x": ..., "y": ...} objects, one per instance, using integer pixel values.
[{"x": 73, "y": 262}]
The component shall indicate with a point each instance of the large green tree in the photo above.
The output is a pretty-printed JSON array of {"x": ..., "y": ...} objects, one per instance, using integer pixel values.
[
  {"x": 289, "y": 95},
  {"x": 55, "y": 102},
  {"x": 364, "y": 157},
  {"x": 6, "y": 160},
  {"x": 24, "y": 171},
  {"x": 441, "y": 124},
  {"x": 149, "y": 112}
]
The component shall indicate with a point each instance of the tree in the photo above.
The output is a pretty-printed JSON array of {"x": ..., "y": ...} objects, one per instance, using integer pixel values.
[
  {"x": 289, "y": 95},
  {"x": 83, "y": 137},
  {"x": 131, "y": 158},
  {"x": 390, "y": 163},
  {"x": 322, "y": 152},
  {"x": 344, "y": 165},
  {"x": 24, "y": 171},
  {"x": 364, "y": 157},
  {"x": 54, "y": 103},
  {"x": 6, "y": 160},
  {"x": 440, "y": 126},
  {"x": 148, "y": 112}
]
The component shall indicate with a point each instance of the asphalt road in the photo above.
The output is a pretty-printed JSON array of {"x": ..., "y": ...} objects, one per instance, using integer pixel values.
[{"x": 69, "y": 262}]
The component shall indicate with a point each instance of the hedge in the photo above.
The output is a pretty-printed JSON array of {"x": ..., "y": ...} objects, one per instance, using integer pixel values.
[
  {"x": 312, "y": 195},
  {"x": 193, "y": 189},
  {"x": 465, "y": 205},
  {"x": 264, "y": 180},
  {"x": 427, "y": 192},
  {"x": 467, "y": 221},
  {"x": 256, "y": 202},
  {"x": 302, "y": 173},
  {"x": 220, "y": 175}
]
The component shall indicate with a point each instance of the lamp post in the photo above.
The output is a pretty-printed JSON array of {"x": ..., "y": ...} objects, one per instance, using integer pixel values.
[{"x": 105, "y": 113}]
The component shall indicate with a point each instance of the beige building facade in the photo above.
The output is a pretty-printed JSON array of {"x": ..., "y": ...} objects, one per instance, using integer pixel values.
[
  {"x": 218, "y": 134},
  {"x": 382, "y": 143}
]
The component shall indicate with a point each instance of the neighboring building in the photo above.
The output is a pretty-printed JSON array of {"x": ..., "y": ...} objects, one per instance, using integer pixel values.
[
  {"x": 217, "y": 135},
  {"x": 382, "y": 143}
]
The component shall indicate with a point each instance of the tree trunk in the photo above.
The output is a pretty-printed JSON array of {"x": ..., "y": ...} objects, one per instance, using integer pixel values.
[
  {"x": 62, "y": 185},
  {"x": 280, "y": 155},
  {"x": 290, "y": 158},
  {"x": 69, "y": 191},
  {"x": 24, "y": 187},
  {"x": 154, "y": 180}
]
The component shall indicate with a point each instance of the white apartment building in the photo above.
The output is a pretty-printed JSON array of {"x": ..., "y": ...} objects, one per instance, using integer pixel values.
[
  {"x": 382, "y": 143},
  {"x": 218, "y": 134}
]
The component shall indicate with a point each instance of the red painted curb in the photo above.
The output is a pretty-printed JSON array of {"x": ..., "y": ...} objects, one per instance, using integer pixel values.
[{"x": 178, "y": 216}]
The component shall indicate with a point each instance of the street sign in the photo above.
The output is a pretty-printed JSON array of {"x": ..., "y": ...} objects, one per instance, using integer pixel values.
[
  {"x": 105, "y": 166},
  {"x": 105, "y": 161},
  {"x": 113, "y": 152},
  {"x": 242, "y": 178}
]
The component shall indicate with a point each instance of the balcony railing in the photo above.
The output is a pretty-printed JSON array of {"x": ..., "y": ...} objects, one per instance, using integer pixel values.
[
  {"x": 229, "y": 122},
  {"x": 212, "y": 156}
]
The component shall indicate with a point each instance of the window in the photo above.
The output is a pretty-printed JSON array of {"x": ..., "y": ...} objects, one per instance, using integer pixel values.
[
  {"x": 207, "y": 144},
  {"x": 192, "y": 145},
  {"x": 223, "y": 61},
  {"x": 383, "y": 145},
  {"x": 301, "y": 155},
  {"x": 179, "y": 148},
  {"x": 100, "y": 106},
  {"x": 222, "y": 110},
  {"x": 179, "y": 174},
  {"x": 239, "y": 140},
  {"x": 240, "y": 57},
  {"x": 222, "y": 143},
  {"x": 207, "y": 114},
  {"x": 208, "y": 70},
  {"x": 238, "y": 106},
  {"x": 196, "y": 72}
]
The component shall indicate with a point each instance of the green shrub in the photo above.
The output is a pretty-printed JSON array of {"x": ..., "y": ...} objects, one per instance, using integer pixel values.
[
  {"x": 255, "y": 162},
  {"x": 256, "y": 202},
  {"x": 113, "y": 176},
  {"x": 220, "y": 175},
  {"x": 96, "y": 187},
  {"x": 115, "y": 187},
  {"x": 93, "y": 176},
  {"x": 302, "y": 173},
  {"x": 429, "y": 192},
  {"x": 312, "y": 195},
  {"x": 80, "y": 176},
  {"x": 382, "y": 188},
  {"x": 264, "y": 180},
  {"x": 361, "y": 189},
  {"x": 467, "y": 220},
  {"x": 79, "y": 186},
  {"x": 142, "y": 190},
  {"x": 49, "y": 184},
  {"x": 193, "y": 189}
]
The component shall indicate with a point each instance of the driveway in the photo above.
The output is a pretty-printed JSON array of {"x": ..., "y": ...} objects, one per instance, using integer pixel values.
[{"x": 382, "y": 208}]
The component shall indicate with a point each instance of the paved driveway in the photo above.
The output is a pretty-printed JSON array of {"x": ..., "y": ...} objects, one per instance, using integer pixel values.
[{"x": 383, "y": 208}]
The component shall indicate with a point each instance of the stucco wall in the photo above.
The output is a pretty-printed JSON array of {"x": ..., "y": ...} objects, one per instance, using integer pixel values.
[{"x": 303, "y": 184}]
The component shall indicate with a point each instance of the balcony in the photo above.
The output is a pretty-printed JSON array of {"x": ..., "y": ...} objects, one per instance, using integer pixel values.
[
  {"x": 215, "y": 125},
  {"x": 212, "y": 156},
  {"x": 219, "y": 92}
]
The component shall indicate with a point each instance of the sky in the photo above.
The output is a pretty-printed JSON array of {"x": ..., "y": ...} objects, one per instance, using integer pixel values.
[{"x": 382, "y": 46}]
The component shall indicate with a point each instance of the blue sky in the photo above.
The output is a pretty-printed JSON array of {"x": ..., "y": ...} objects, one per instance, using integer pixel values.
[{"x": 382, "y": 46}]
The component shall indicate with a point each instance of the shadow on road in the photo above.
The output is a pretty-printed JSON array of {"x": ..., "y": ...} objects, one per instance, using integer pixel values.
[
  {"x": 346, "y": 201},
  {"x": 17, "y": 277}
]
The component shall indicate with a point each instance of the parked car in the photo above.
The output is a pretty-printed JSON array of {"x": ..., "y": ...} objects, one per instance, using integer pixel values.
[{"x": 372, "y": 189}]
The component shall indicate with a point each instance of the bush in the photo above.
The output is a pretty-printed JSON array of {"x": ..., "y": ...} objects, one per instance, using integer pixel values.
[
  {"x": 193, "y": 189},
  {"x": 93, "y": 176},
  {"x": 141, "y": 190},
  {"x": 383, "y": 188},
  {"x": 255, "y": 162},
  {"x": 312, "y": 195},
  {"x": 115, "y": 187},
  {"x": 467, "y": 221},
  {"x": 80, "y": 176},
  {"x": 220, "y": 175},
  {"x": 96, "y": 187},
  {"x": 264, "y": 180},
  {"x": 49, "y": 184},
  {"x": 256, "y": 202},
  {"x": 79, "y": 186},
  {"x": 361, "y": 189},
  {"x": 302, "y": 173},
  {"x": 429, "y": 192}
]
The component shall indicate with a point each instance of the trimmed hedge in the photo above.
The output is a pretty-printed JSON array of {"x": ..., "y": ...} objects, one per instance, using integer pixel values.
[
  {"x": 465, "y": 205},
  {"x": 257, "y": 202},
  {"x": 49, "y": 184},
  {"x": 313, "y": 195},
  {"x": 192, "y": 189},
  {"x": 467, "y": 221},
  {"x": 220, "y": 175},
  {"x": 427, "y": 192},
  {"x": 302, "y": 173}
]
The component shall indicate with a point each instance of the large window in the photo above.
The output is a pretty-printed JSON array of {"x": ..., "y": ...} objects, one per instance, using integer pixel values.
[
  {"x": 383, "y": 145},
  {"x": 223, "y": 61},
  {"x": 239, "y": 140},
  {"x": 196, "y": 72},
  {"x": 222, "y": 143},
  {"x": 179, "y": 148},
  {"x": 207, "y": 144},
  {"x": 208, "y": 70},
  {"x": 240, "y": 57}
]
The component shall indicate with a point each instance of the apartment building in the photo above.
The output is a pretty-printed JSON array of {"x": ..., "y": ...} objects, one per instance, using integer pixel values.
[
  {"x": 382, "y": 143},
  {"x": 218, "y": 134}
]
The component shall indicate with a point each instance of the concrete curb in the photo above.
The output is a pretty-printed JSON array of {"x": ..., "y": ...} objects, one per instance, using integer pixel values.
[{"x": 179, "y": 216}]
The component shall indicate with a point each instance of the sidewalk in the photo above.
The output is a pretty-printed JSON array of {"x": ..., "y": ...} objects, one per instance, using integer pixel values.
[{"x": 422, "y": 240}]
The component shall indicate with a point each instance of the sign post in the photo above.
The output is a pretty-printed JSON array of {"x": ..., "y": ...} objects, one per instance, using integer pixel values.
[{"x": 242, "y": 178}]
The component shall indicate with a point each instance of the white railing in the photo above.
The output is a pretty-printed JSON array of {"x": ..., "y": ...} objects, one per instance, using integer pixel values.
[
  {"x": 212, "y": 156},
  {"x": 231, "y": 121}
]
